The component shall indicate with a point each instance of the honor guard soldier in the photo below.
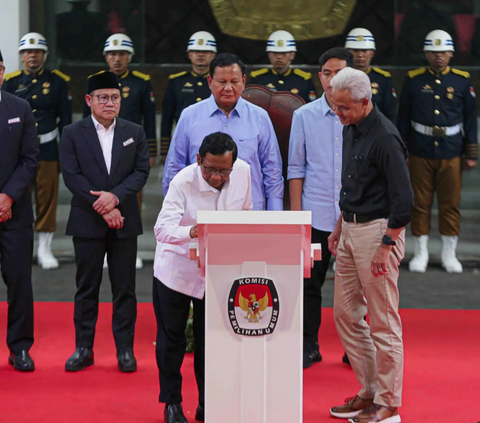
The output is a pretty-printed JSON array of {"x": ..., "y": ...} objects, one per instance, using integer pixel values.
[
  {"x": 49, "y": 97},
  {"x": 187, "y": 88},
  {"x": 438, "y": 121},
  {"x": 281, "y": 52},
  {"x": 138, "y": 101},
  {"x": 361, "y": 43}
]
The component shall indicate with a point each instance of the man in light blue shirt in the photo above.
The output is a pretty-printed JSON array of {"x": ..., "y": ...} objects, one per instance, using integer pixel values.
[
  {"x": 314, "y": 174},
  {"x": 248, "y": 125}
]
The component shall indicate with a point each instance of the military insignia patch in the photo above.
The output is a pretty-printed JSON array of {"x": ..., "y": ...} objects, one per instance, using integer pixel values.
[
  {"x": 126, "y": 89},
  {"x": 280, "y": 43},
  {"x": 394, "y": 93},
  {"x": 200, "y": 41},
  {"x": 472, "y": 92},
  {"x": 31, "y": 41},
  {"x": 253, "y": 306},
  {"x": 312, "y": 96},
  {"x": 438, "y": 42},
  {"x": 199, "y": 83},
  {"x": 270, "y": 85},
  {"x": 115, "y": 42},
  {"x": 188, "y": 84},
  {"x": 450, "y": 89},
  {"x": 125, "y": 95},
  {"x": 69, "y": 95},
  {"x": 359, "y": 37},
  {"x": 374, "y": 84},
  {"x": 152, "y": 97},
  {"x": 427, "y": 87},
  {"x": 46, "y": 84},
  {"x": 294, "y": 90}
]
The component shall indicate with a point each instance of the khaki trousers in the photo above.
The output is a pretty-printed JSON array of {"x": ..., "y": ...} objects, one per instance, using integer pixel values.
[
  {"x": 375, "y": 351},
  {"x": 445, "y": 177},
  {"x": 46, "y": 196}
]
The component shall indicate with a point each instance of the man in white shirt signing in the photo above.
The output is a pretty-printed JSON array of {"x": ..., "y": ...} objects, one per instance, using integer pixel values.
[{"x": 217, "y": 181}]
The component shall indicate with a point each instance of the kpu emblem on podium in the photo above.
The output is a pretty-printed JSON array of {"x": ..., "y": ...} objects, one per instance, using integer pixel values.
[{"x": 253, "y": 306}]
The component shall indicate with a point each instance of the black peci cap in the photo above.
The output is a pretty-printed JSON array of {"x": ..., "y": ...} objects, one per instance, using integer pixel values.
[{"x": 102, "y": 80}]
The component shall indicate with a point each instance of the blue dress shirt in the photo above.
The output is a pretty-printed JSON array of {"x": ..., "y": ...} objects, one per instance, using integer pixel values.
[
  {"x": 251, "y": 129},
  {"x": 315, "y": 155}
]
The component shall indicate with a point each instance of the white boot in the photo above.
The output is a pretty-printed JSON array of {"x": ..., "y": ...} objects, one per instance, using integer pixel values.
[
  {"x": 139, "y": 263},
  {"x": 449, "y": 260},
  {"x": 45, "y": 257},
  {"x": 419, "y": 262}
]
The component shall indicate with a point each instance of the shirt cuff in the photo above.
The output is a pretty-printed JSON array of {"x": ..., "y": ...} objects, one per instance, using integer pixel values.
[
  {"x": 118, "y": 201},
  {"x": 274, "y": 204}
]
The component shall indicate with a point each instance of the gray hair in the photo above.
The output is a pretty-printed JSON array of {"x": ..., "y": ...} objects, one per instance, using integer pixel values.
[{"x": 354, "y": 81}]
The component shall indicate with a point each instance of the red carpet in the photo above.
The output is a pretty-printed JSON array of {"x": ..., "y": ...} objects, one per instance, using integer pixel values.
[{"x": 442, "y": 372}]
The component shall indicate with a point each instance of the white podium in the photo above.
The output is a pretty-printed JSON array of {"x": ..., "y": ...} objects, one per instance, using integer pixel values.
[{"x": 254, "y": 264}]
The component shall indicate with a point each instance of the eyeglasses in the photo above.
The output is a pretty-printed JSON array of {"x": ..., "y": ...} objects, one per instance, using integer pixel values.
[
  {"x": 103, "y": 98},
  {"x": 210, "y": 171}
]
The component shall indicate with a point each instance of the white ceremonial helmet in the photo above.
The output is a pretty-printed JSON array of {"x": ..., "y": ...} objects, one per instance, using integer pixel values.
[
  {"x": 360, "y": 39},
  {"x": 202, "y": 41},
  {"x": 438, "y": 40},
  {"x": 281, "y": 42},
  {"x": 118, "y": 42},
  {"x": 33, "y": 41}
]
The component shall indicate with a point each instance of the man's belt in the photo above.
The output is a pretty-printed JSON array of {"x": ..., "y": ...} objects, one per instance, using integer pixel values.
[
  {"x": 437, "y": 131},
  {"x": 44, "y": 138},
  {"x": 357, "y": 218}
]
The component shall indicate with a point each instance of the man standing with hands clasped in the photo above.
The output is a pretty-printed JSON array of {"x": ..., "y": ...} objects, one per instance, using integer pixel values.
[
  {"x": 105, "y": 162},
  {"x": 369, "y": 242}
]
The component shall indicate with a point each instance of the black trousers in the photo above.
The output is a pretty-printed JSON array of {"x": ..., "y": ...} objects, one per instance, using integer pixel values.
[
  {"x": 312, "y": 291},
  {"x": 121, "y": 256},
  {"x": 172, "y": 309},
  {"x": 16, "y": 251}
]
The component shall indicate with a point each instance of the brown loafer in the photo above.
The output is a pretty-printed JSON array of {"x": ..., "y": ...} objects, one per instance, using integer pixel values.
[
  {"x": 353, "y": 407},
  {"x": 377, "y": 413}
]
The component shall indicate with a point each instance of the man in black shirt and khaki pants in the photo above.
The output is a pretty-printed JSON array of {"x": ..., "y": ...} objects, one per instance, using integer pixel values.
[{"x": 376, "y": 201}]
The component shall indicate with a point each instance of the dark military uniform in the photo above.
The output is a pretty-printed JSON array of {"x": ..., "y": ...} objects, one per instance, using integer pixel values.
[
  {"x": 183, "y": 90},
  {"x": 438, "y": 121},
  {"x": 138, "y": 102},
  {"x": 49, "y": 97},
  {"x": 383, "y": 93},
  {"x": 295, "y": 80}
]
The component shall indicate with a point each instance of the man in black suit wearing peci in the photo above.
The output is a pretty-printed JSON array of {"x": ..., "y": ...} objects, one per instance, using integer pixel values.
[
  {"x": 105, "y": 163},
  {"x": 18, "y": 164}
]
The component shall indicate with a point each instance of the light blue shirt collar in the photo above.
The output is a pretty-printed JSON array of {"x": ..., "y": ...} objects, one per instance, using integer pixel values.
[
  {"x": 324, "y": 106},
  {"x": 213, "y": 107}
]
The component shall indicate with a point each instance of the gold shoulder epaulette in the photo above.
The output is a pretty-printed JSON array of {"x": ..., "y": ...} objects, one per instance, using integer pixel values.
[
  {"x": 259, "y": 72},
  {"x": 141, "y": 75},
  {"x": 12, "y": 75},
  {"x": 61, "y": 75},
  {"x": 416, "y": 72},
  {"x": 176, "y": 75},
  {"x": 93, "y": 74},
  {"x": 383, "y": 72},
  {"x": 461, "y": 73},
  {"x": 303, "y": 74}
]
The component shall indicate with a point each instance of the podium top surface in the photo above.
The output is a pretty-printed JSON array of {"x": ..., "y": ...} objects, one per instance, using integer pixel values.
[{"x": 255, "y": 217}]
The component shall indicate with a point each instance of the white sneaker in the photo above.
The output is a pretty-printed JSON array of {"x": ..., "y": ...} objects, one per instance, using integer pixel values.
[
  {"x": 449, "y": 260},
  {"x": 139, "y": 263},
  {"x": 419, "y": 262},
  {"x": 45, "y": 257}
]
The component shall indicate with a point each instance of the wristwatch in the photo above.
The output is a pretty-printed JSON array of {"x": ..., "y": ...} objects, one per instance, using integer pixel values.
[{"x": 387, "y": 240}]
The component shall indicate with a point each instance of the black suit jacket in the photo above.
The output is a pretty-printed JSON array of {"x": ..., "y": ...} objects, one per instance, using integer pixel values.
[
  {"x": 18, "y": 158},
  {"x": 83, "y": 168}
]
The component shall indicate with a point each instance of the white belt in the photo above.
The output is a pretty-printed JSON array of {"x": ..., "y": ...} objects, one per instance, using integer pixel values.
[
  {"x": 44, "y": 138},
  {"x": 437, "y": 131}
]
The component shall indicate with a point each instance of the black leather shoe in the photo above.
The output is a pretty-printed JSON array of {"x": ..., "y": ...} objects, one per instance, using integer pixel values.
[
  {"x": 174, "y": 414},
  {"x": 81, "y": 358},
  {"x": 126, "y": 360},
  {"x": 21, "y": 361},
  {"x": 345, "y": 359},
  {"x": 311, "y": 354},
  {"x": 200, "y": 413}
]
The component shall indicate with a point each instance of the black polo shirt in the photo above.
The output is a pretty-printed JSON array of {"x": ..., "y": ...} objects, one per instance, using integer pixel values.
[{"x": 375, "y": 179}]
